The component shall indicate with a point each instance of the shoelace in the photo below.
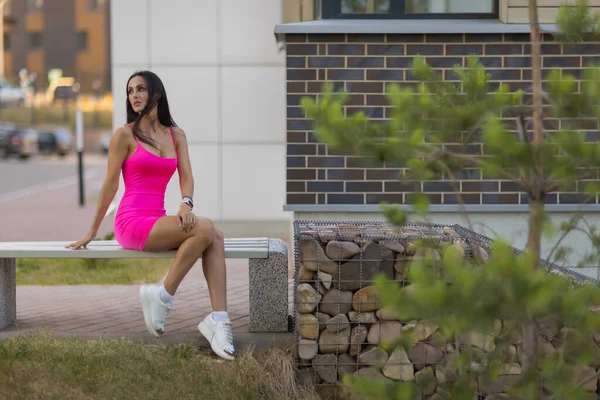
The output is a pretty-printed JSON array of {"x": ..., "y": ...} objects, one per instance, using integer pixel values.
[
  {"x": 228, "y": 333},
  {"x": 164, "y": 316}
]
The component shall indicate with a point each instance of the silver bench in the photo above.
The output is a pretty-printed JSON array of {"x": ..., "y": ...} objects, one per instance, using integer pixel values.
[{"x": 268, "y": 274}]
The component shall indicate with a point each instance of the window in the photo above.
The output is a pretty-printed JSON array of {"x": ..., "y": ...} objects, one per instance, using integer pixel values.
[
  {"x": 34, "y": 5},
  {"x": 82, "y": 41},
  {"x": 6, "y": 39},
  {"x": 34, "y": 41},
  {"x": 399, "y": 9}
]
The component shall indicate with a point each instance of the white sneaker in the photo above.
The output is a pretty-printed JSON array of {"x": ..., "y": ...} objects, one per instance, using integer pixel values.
[
  {"x": 155, "y": 311},
  {"x": 219, "y": 335}
]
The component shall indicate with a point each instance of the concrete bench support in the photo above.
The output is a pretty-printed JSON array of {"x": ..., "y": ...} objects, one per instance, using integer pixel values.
[
  {"x": 268, "y": 274},
  {"x": 8, "y": 292},
  {"x": 269, "y": 290}
]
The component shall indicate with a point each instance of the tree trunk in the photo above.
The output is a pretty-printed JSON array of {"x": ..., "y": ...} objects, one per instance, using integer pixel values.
[
  {"x": 536, "y": 71},
  {"x": 536, "y": 200}
]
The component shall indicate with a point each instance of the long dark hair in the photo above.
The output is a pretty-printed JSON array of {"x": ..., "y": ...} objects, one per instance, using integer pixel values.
[{"x": 157, "y": 96}]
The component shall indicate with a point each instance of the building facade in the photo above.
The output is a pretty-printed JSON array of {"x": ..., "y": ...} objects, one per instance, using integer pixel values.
[
  {"x": 364, "y": 46},
  {"x": 225, "y": 79},
  {"x": 71, "y": 35}
]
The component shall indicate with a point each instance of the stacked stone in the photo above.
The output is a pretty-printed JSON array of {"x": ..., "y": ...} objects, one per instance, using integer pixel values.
[{"x": 341, "y": 324}]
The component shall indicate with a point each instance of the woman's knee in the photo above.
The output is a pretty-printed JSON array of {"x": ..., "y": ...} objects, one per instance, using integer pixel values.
[
  {"x": 204, "y": 229},
  {"x": 219, "y": 237}
]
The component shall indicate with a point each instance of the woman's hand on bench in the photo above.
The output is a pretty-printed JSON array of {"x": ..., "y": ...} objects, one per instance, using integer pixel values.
[{"x": 81, "y": 243}]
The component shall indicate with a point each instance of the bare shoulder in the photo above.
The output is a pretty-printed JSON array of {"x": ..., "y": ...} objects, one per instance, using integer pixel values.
[
  {"x": 123, "y": 136},
  {"x": 179, "y": 135}
]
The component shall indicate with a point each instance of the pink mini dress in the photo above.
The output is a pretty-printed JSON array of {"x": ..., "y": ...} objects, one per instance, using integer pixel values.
[{"x": 146, "y": 177}]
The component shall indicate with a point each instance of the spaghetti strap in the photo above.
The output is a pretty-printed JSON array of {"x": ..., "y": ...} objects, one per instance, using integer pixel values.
[{"x": 173, "y": 138}]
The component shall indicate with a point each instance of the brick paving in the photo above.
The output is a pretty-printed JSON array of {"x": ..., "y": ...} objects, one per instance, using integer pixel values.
[{"x": 102, "y": 309}]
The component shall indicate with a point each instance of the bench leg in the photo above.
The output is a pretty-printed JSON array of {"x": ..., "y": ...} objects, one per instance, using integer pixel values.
[
  {"x": 8, "y": 292},
  {"x": 269, "y": 290}
]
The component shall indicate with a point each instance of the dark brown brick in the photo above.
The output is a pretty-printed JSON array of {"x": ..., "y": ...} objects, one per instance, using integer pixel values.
[
  {"x": 386, "y": 50},
  {"x": 364, "y": 186},
  {"x": 326, "y": 162},
  {"x": 486, "y": 37},
  {"x": 371, "y": 112},
  {"x": 366, "y": 38},
  {"x": 346, "y": 174},
  {"x": 296, "y": 137},
  {"x": 404, "y": 186},
  {"x": 365, "y": 87},
  {"x": 322, "y": 50},
  {"x": 295, "y": 100},
  {"x": 322, "y": 75},
  {"x": 301, "y": 49},
  {"x": 562, "y": 62},
  {"x": 295, "y": 62},
  {"x": 504, "y": 74},
  {"x": 301, "y": 198},
  {"x": 301, "y": 74},
  {"x": 296, "y": 87},
  {"x": 301, "y": 174},
  {"x": 405, "y": 38},
  {"x": 377, "y": 100},
  {"x": 479, "y": 186},
  {"x": 295, "y": 38},
  {"x": 296, "y": 186},
  {"x": 355, "y": 100},
  {"x": 503, "y": 49},
  {"x": 517, "y": 37},
  {"x": 346, "y": 49},
  {"x": 383, "y": 174},
  {"x": 464, "y": 49},
  {"x": 345, "y": 198},
  {"x": 444, "y": 38},
  {"x": 317, "y": 87},
  {"x": 358, "y": 162},
  {"x": 296, "y": 162},
  {"x": 327, "y": 38},
  {"x": 425, "y": 49},
  {"x": 301, "y": 149}
]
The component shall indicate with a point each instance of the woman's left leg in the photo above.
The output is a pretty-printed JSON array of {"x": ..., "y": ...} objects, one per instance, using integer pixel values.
[{"x": 215, "y": 271}]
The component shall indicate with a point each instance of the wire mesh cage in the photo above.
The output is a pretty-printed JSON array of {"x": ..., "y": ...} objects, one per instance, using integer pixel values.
[{"x": 339, "y": 323}]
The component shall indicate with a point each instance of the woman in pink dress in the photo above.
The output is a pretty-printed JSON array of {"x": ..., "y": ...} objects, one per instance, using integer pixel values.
[{"x": 148, "y": 151}]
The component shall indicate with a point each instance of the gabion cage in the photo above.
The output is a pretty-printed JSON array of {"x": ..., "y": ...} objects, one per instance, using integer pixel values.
[{"x": 339, "y": 323}]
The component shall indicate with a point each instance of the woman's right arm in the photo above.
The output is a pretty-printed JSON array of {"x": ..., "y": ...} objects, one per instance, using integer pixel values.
[{"x": 117, "y": 152}]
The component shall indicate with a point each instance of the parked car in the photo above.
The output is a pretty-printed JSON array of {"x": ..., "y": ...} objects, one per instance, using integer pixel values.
[
  {"x": 22, "y": 142},
  {"x": 11, "y": 95},
  {"x": 105, "y": 142},
  {"x": 57, "y": 141}
]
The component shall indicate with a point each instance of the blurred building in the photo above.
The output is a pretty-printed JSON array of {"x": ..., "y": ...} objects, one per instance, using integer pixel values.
[{"x": 70, "y": 35}]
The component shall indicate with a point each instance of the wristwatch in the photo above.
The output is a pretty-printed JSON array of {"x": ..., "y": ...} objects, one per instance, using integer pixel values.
[{"x": 188, "y": 201}]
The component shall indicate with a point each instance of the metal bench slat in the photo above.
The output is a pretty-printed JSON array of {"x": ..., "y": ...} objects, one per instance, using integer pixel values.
[{"x": 234, "y": 248}]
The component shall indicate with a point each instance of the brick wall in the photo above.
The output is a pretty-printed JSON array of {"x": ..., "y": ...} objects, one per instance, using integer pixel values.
[{"x": 363, "y": 65}]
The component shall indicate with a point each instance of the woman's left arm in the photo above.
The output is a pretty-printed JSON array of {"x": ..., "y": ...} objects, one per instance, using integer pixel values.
[{"x": 184, "y": 167}]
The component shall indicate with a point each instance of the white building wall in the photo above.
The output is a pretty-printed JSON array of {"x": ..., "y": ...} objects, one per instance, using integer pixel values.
[{"x": 225, "y": 81}]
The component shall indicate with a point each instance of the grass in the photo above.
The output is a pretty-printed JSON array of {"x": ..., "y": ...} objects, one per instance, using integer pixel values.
[
  {"x": 55, "y": 115},
  {"x": 32, "y": 271},
  {"x": 39, "y": 365}
]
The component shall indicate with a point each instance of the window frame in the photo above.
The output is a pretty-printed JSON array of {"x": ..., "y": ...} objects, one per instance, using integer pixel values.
[{"x": 332, "y": 9}]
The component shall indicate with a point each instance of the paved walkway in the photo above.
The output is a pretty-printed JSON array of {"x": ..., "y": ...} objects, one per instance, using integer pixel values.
[{"x": 98, "y": 310}]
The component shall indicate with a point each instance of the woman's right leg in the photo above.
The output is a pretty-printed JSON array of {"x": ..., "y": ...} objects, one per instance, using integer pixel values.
[{"x": 167, "y": 235}]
